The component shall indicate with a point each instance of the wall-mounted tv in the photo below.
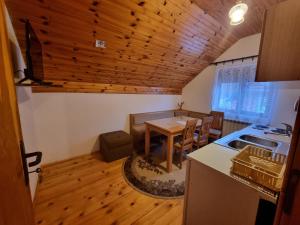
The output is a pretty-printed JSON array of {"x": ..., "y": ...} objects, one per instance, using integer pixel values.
[{"x": 34, "y": 57}]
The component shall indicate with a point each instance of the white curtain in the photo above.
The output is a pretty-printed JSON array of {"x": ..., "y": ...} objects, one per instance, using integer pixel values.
[{"x": 239, "y": 97}]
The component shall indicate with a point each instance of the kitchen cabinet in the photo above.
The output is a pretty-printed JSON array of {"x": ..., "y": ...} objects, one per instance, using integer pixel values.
[
  {"x": 288, "y": 209},
  {"x": 213, "y": 196},
  {"x": 215, "y": 199},
  {"x": 280, "y": 43}
]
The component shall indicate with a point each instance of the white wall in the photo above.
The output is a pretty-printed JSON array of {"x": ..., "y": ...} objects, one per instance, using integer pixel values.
[
  {"x": 24, "y": 96},
  {"x": 197, "y": 93},
  {"x": 287, "y": 94},
  {"x": 68, "y": 124}
]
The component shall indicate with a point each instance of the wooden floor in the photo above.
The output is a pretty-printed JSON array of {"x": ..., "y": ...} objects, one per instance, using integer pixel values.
[{"x": 86, "y": 190}]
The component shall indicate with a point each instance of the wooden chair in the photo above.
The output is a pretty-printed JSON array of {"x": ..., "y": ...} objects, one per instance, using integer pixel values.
[
  {"x": 217, "y": 125},
  {"x": 201, "y": 137},
  {"x": 186, "y": 143}
]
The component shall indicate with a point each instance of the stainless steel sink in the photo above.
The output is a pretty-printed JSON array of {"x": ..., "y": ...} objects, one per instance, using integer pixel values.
[
  {"x": 238, "y": 144},
  {"x": 260, "y": 141},
  {"x": 239, "y": 139}
]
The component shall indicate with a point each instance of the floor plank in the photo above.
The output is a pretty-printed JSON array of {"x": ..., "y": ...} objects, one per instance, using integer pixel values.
[{"x": 86, "y": 190}]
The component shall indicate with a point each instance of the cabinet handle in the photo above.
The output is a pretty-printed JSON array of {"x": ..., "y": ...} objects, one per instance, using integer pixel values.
[{"x": 37, "y": 160}]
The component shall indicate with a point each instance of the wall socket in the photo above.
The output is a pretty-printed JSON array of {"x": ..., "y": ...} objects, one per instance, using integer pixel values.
[{"x": 100, "y": 44}]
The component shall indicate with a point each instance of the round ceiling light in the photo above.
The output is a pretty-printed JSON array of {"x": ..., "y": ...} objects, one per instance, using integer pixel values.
[{"x": 237, "y": 13}]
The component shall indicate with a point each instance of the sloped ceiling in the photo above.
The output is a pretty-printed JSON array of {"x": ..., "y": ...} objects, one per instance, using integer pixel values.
[{"x": 151, "y": 43}]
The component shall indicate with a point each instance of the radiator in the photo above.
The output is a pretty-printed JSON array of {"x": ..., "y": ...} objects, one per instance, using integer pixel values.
[{"x": 230, "y": 126}]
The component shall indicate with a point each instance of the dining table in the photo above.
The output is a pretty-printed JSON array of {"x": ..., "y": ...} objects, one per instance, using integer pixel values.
[{"x": 170, "y": 127}]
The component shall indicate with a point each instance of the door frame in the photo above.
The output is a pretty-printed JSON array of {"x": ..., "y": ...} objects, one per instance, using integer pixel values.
[{"x": 16, "y": 205}]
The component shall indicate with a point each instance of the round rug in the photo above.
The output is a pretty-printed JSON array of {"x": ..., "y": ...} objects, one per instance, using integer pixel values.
[{"x": 149, "y": 175}]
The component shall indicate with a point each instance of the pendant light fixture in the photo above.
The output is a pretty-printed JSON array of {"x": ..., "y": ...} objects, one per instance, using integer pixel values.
[{"x": 237, "y": 13}]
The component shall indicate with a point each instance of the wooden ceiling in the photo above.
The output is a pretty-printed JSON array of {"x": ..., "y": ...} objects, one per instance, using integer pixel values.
[{"x": 150, "y": 43}]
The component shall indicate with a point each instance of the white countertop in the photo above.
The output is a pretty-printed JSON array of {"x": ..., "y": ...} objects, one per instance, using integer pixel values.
[
  {"x": 215, "y": 156},
  {"x": 219, "y": 157}
]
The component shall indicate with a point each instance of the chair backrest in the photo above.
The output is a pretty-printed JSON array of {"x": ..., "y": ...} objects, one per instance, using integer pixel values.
[
  {"x": 188, "y": 134},
  {"x": 197, "y": 115},
  {"x": 218, "y": 118},
  {"x": 205, "y": 127}
]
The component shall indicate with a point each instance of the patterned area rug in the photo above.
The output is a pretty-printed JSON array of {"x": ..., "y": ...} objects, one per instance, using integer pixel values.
[{"x": 149, "y": 175}]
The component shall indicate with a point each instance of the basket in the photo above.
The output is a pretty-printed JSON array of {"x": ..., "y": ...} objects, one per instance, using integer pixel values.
[{"x": 260, "y": 166}]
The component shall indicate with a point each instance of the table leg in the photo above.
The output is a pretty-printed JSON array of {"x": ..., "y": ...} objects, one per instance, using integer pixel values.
[
  {"x": 170, "y": 153},
  {"x": 164, "y": 150},
  {"x": 147, "y": 140}
]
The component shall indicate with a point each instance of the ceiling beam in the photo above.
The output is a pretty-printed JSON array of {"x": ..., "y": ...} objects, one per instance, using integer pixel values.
[{"x": 83, "y": 87}]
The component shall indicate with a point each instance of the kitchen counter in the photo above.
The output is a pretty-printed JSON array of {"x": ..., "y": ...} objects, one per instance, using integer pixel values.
[
  {"x": 215, "y": 196},
  {"x": 215, "y": 156},
  {"x": 219, "y": 157},
  {"x": 284, "y": 141}
]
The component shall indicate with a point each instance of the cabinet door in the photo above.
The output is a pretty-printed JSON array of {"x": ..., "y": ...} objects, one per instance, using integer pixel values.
[
  {"x": 280, "y": 44},
  {"x": 288, "y": 208}
]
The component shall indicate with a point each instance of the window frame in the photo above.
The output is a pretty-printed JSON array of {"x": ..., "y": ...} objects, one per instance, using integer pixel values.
[{"x": 244, "y": 83}]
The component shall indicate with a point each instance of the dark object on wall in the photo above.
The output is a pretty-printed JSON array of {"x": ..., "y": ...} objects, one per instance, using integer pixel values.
[
  {"x": 115, "y": 145},
  {"x": 34, "y": 55},
  {"x": 34, "y": 71},
  {"x": 235, "y": 59},
  {"x": 180, "y": 105}
]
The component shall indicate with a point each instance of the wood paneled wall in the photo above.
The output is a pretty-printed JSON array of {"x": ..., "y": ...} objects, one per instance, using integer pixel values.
[{"x": 150, "y": 43}]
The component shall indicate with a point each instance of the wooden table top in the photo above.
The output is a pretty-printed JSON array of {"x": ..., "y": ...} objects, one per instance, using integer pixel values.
[{"x": 172, "y": 125}]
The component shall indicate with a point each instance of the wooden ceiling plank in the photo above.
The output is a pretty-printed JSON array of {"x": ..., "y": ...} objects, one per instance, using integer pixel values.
[
  {"x": 90, "y": 22},
  {"x": 119, "y": 75},
  {"x": 149, "y": 53},
  {"x": 104, "y": 61},
  {"x": 147, "y": 43},
  {"x": 104, "y": 88},
  {"x": 178, "y": 76}
]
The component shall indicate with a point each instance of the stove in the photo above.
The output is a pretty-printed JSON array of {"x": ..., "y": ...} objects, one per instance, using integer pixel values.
[
  {"x": 279, "y": 131},
  {"x": 260, "y": 127},
  {"x": 270, "y": 130}
]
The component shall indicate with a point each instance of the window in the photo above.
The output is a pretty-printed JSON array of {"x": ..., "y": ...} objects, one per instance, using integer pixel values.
[{"x": 239, "y": 97}]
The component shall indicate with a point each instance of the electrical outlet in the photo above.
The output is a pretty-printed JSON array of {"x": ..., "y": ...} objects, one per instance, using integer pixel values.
[{"x": 100, "y": 44}]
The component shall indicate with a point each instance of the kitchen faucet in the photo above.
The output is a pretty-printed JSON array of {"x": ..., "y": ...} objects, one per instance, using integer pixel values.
[{"x": 288, "y": 128}]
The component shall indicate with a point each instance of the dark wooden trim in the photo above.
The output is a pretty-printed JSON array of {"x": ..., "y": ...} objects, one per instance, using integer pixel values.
[
  {"x": 281, "y": 217},
  {"x": 83, "y": 87},
  {"x": 236, "y": 59},
  {"x": 261, "y": 45}
]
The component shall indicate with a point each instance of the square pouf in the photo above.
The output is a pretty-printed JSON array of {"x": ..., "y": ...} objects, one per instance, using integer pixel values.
[{"x": 115, "y": 145}]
